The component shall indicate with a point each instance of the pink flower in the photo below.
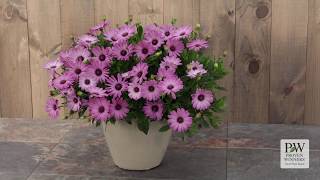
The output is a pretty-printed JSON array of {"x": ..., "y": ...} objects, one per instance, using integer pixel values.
[
  {"x": 195, "y": 69},
  {"x": 126, "y": 31},
  {"x": 182, "y": 32},
  {"x": 52, "y": 108},
  {"x": 102, "y": 54},
  {"x": 87, "y": 81},
  {"x": 116, "y": 85},
  {"x": 173, "y": 60},
  {"x": 179, "y": 120},
  {"x": 77, "y": 67},
  {"x": 122, "y": 50},
  {"x": 155, "y": 38},
  {"x": 98, "y": 70},
  {"x": 150, "y": 90},
  {"x": 139, "y": 72},
  {"x": 144, "y": 49},
  {"x": 197, "y": 44},
  {"x": 87, "y": 40},
  {"x": 112, "y": 35},
  {"x": 171, "y": 86},
  {"x": 119, "y": 108},
  {"x": 167, "y": 31},
  {"x": 100, "y": 27},
  {"x": 80, "y": 54},
  {"x": 97, "y": 92},
  {"x": 73, "y": 103},
  {"x": 174, "y": 47},
  {"x": 153, "y": 110},
  {"x": 99, "y": 109},
  {"x": 64, "y": 81},
  {"x": 134, "y": 90},
  {"x": 202, "y": 99},
  {"x": 52, "y": 66}
]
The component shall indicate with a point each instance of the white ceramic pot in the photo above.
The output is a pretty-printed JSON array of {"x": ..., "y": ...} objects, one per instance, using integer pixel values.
[{"x": 131, "y": 149}]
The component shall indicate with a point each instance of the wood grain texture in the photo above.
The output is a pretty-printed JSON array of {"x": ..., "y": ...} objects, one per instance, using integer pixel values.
[
  {"x": 288, "y": 61},
  {"x": 77, "y": 16},
  {"x": 252, "y": 52},
  {"x": 116, "y": 11},
  {"x": 312, "y": 112},
  {"x": 44, "y": 42},
  {"x": 217, "y": 19},
  {"x": 146, "y": 11},
  {"x": 15, "y": 93},
  {"x": 185, "y": 11}
]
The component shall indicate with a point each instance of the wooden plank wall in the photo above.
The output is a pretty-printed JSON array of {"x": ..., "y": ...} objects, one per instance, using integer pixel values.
[{"x": 271, "y": 45}]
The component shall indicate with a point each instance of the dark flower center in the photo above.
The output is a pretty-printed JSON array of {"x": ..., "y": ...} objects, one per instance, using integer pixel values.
[
  {"x": 125, "y": 34},
  {"x": 155, "y": 108},
  {"x": 118, "y": 86},
  {"x": 194, "y": 68},
  {"x": 63, "y": 81},
  {"x": 55, "y": 107},
  {"x": 167, "y": 33},
  {"x": 98, "y": 72},
  {"x": 102, "y": 57},
  {"x": 80, "y": 58},
  {"x": 145, "y": 51},
  {"x": 123, "y": 52},
  {"x": 170, "y": 87},
  {"x": 118, "y": 107},
  {"x": 139, "y": 74},
  {"x": 166, "y": 67},
  {"x": 75, "y": 100},
  {"x": 197, "y": 45},
  {"x": 151, "y": 88},
  {"x": 77, "y": 71},
  {"x": 101, "y": 109},
  {"x": 136, "y": 89},
  {"x": 201, "y": 97},
  {"x": 155, "y": 41},
  {"x": 172, "y": 48},
  {"x": 113, "y": 39},
  {"x": 182, "y": 34},
  {"x": 87, "y": 81},
  {"x": 53, "y": 67},
  {"x": 180, "y": 120}
]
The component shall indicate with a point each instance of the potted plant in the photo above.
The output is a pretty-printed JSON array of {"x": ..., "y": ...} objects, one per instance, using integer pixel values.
[{"x": 141, "y": 83}]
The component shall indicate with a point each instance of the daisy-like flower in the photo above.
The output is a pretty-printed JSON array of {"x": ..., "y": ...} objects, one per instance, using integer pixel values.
[
  {"x": 150, "y": 90},
  {"x": 168, "y": 66},
  {"x": 116, "y": 85},
  {"x": 87, "y": 40},
  {"x": 52, "y": 66},
  {"x": 112, "y": 35},
  {"x": 87, "y": 81},
  {"x": 172, "y": 59},
  {"x": 77, "y": 67},
  {"x": 180, "y": 120},
  {"x": 202, "y": 99},
  {"x": 167, "y": 31},
  {"x": 119, "y": 108},
  {"x": 80, "y": 54},
  {"x": 122, "y": 50},
  {"x": 73, "y": 103},
  {"x": 174, "y": 47},
  {"x": 197, "y": 44},
  {"x": 144, "y": 49},
  {"x": 126, "y": 31},
  {"x": 153, "y": 110},
  {"x": 164, "y": 73},
  {"x": 151, "y": 27},
  {"x": 139, "y": 72},
  {"x": 182, "y": 32},
  {"x": 195, "y": 69},
  {"x": 155, "y": 38},
  {"x": 99, "y": 70},
  {"x": 102, "y": 54},
  {"x": 64, "y": 81},
  {"x": 99, "y": 109},
  {"x": 171, "y": 86},
  {"x": 66, "y": 57},
  {"x": 97, "y": 92},
  {"x": 100, "y": 27},
  {"x": 52, "y": 108},
  {"x": 134, "y": 90}
]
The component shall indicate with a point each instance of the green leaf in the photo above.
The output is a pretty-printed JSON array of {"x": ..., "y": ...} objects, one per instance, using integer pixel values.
[
  {"x": 164, "y": 128},
  {"x": 54, "y": 92},
  {"x": 219, "y": 105},
  {"x": 143, "y": 124}
]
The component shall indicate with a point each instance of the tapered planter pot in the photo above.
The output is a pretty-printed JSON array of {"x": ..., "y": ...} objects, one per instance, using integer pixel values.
[{"x": 131, "y": 149}]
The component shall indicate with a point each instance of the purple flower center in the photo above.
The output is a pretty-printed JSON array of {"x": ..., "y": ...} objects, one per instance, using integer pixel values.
[
  {"x": 139, "y": 74},
  {"x": 145, "y": 51},
  {"x": 75, "y": 100},
  {"x": 136, "y": 89},
  {"x": 167, "y": 33},
  {"x": 63, "y": 81},
  {"x": 170, "y": 87},
  {"x": 118, "y": 107},
  {"x": 155, "y": 42},
  {"x": 123, "y": 52},
  {"x": 194, "y": 68},
  {"x": 98, "y": 72},
  {"x": 180, "y": 120},
  {"x": 172, "y": 48},
  {"x": 102, "y": 57},
  {"x": 53, "y": 67},
  {"x": 155, "y": 108},
  {"x": 87, "y": 81},
  {"x": 55, "y": 107},
  {"x": 201, "y": 97},
  {"x": 80, "y": 58},
  {"x": 125, "y": 34},
  {"x": 197, "y": 45},
  {"x": 118, "y": 86},
  {"x": 167, "y": 67},
  {"x": 78, "y": 71},
  {"x": 151, "y": 88},
  {"x": 182, "y": 34},
  {"x": 101, "y": 109},
  {"x": 113, "y": 39}
]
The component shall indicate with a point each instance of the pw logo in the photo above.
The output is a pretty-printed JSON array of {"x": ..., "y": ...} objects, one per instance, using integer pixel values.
[{"x": 294, "y": 147}]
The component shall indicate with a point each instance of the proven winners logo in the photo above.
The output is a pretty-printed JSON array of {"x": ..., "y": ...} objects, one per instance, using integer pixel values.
[{"x": 294, "y": 153}]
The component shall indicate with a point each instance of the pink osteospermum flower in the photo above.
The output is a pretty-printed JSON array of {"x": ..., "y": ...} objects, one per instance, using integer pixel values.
[
  {"x": 139, "y": 72},
  {"x": 116, "y": 85},
  {"x": 180, "y": 120},
  {"x": 97, "y": 92},
  {"x": 77, "y": 67},
  {"x": 112, "y": 35},
  {"x": 143, "y": 49},
  {"x": 99, "y": 109},
  {"x": 171, "y": 86},
  {"x": 122, "y": 50},
  {"x": 195, "y": 69},
  {"x": 134, "y": 90},
  {"x": 52, "y": 108},
  {"x": 168, "y": 66},
  {"x": 102, "y": 54},
  {"x": 197, "y": 44},
  {"x": 87, "y": 81},
  {"x": 150, "y": 90},
  {"x": 202, "y": 99},
  {"x": 172, "y": 59},
  {"x": 100, "y": 27},
  {"x": 119, "y": 108},
  {"x": 174, "y": 47},
  {"x": 98, "y": 69},
  {"x": 86, "y": 40},
  {"x": 66, "y": 57},
  {"x": 64, "y": 81},
  {"x": 126, "y": 31},
  {"x": 165, "y": 73},
  {"x": 155, "y": 38},
  {"x": 73, "y": 103},
  {"x": 167, "y": 31},
  {"x": 153, "y": 110},
  {"x": 80, "y": 54},
  {"x": 53, "y": 65},
  {"x": 182, "y": 32}
]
